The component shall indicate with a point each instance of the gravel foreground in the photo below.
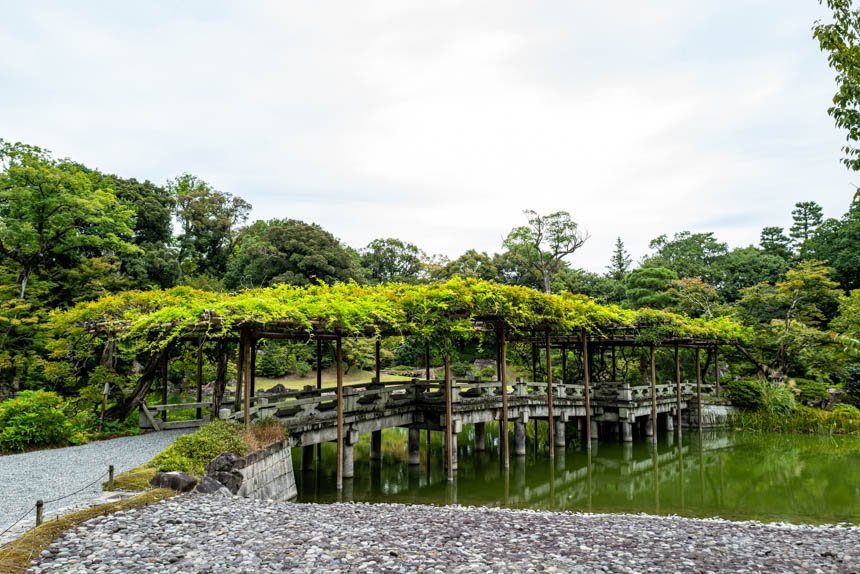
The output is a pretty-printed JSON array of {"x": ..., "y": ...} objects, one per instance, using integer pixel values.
[
  {"x": 52, "y": 473},
  {"x": 199, "y": 534}
]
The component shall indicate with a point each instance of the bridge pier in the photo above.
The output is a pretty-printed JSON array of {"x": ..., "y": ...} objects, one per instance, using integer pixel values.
[
  {"x": 649, "y": 426},
  {"x": 480, "y": 437},
  {"x": 594, "y": 433},
  {"x": 626, "y": 431},
  {"x": 415, "y": 446},
  {"x": 308, "y": 457},
  {"x": 559, "y": 438},
  {"x": 376, "y": 445},
  {"x": 519, "y": 438},
  {"x": 669, "y": 422},
  {"x": 349, "y": 440}
]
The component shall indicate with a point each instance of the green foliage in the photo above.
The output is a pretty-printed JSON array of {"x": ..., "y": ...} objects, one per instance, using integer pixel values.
[
  {"x": 745, "y": 267},
  {"x": 802, "y": 420},
  {"x": 191, "y": 453},
  {"x": 807, "y": 217},
  {"x": 773, "y": 241},
  {"x": 288, "y": 251},
  {"x": 580, "y": 282},
  {"x": 488, "y": 373},
  {"x": 744, "y": 393},
  {"x": 391, "y": 261},
  {"x": 460, "y": 369},
  {"x": 646, "y": 287},
  {"x": 846, "y": 409},
  {"x": 839, "y": 39},
  {"x": 777, "y": 399},
  {"x": 835, "y": 241},
  {"x": 808, "y": 390},
  {"x": 619, "y": 264},
  {"x": 34, "y": 418},
  {"x": 544, "y": 242},
  {"x": 688, "y": 255},
  {"x": 209, "y": 220}
]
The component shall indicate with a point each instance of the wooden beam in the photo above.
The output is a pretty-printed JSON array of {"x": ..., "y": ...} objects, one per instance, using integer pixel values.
[
  {"x": 653, "y": 395},
  {"x": 549, "y": 396},
  {"x": 378, "y": 361},
  {"x": 716, "y": 370},
  {"x": 240, "y": 356},
  {"x": 319, "y": 386},
  {"x": 503, "y": 352},
  {"x": 253, "y": 372},
  {"x": 586, "y": 380},
  {"x": 699, "y": 387},
  {"x": 164, "y": 360},
  {"x": 449, "y": 434},
  {"x": 200, "y": 378},
  {"x": 339, "y": 361},
  {"x": 246, "y": 376},
  {"x": 678, "y": 386}
]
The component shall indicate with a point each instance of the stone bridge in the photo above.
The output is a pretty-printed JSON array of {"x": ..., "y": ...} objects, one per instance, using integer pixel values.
[{"x": 615, "y": 407}]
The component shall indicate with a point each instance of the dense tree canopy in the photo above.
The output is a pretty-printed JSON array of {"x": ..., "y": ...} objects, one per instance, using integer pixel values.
[
  {"x": 391, "y": 261},
  {"x": 288, "y": 251}
]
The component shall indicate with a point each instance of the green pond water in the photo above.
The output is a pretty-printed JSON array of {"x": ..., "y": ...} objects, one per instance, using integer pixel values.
[{"x": 733, "y": 475}]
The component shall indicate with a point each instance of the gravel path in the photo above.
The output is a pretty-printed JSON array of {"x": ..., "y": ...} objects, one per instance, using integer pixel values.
[
  {"x": 52, "y": 473},
  {"x": 216, "y": 534}
]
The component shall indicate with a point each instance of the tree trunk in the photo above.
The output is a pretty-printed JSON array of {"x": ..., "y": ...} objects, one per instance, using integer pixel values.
[{"x": 126, "y": 405}]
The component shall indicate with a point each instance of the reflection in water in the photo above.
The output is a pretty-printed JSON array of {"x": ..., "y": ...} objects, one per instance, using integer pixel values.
[{"x": 729, "y": 474}]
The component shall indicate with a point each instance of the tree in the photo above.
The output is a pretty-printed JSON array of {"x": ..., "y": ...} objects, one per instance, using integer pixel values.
[
  {"x": 620, "y": 262},
  {"x": 694, "y": 297},
  {"x": 773, "y": 241},
  {"x": 688, "y": 255},
  {"x": 786, "y": 316},
  {"x": 841, "y": 40},
  {"x": 836, "y": 241},
  {"x": 807, "y": 217},
  {"x": 601, "y": 288},
  {"x": 747, "y": 266},
  {"x": 469, "y": 264},
  {"x": 544, "y": 242},
  {"x": 288, "y": 251},
  {"x": 209, "y": 220},
  {"x": 646, "y": 287},
  {"x": 49, "y": 209},
  {"x": 391, "y": 261}
]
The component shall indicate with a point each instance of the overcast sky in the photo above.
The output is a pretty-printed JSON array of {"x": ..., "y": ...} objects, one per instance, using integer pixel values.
[{"x": 439, "y": 122}]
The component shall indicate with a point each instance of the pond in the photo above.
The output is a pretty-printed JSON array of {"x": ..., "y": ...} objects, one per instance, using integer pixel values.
[{"x": 733, "y": 475}]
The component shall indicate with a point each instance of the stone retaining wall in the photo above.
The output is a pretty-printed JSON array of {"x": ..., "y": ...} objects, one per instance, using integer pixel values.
[
  {"x": 268, "y": 473},
  {"x": 713, "y": 415}
]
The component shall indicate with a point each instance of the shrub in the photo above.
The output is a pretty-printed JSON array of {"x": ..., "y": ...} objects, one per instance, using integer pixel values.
[
  {"x": 34, "y": 418},
  {"x": 264, "y": 432},
  {"x": 809, "y": 391},
  {"x": 803, "y": 419},
  {"x": 777, "y": 399},
  {"x": 488, "y": 373},
  {"x": 745, "y": 393},
  {"x": 303, "y": 368},
  {"x": 191, "y": 453},
  {"x": 845, "y": 409},
  {"x": 460, "y": 369}
]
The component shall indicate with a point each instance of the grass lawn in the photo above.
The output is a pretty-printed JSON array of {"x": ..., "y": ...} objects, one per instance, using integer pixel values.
[{"x": 329, "y": 379}]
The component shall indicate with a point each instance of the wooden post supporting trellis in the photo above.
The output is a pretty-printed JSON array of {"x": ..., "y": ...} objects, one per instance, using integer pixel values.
[
  {"x": 240, "y": 357},
  {"x": 427, "y": 377},
  {"x": 549, "y": 396},
  {"x": 699, "y": 387},
  {"x": 200, "y": 377},
  {"x": 449, "y": 431},
  {"x": 246, "y": 376},
  {"x": 614, "y": 374},
  {"x": 653, "y": 396},
  {"x": 378, "y": 361},
  {"x": 503, "y": 353},
  {"x": 252, "y": 373},
  {"x": 716, "y": 370},
  {"x": 534, "y": 363},
  {"x": 164, "y": 360},
  {"x": 586, "y": 380},
  {"x": 678, "y": 386},
  {"x": 563, "y": 364},
  {"x": 339, "y": 361},
  {"x": 319, "y": 386}
]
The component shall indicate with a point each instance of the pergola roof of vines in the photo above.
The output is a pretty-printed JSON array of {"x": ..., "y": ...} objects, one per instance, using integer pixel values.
[{"x": 434, "y": 313}]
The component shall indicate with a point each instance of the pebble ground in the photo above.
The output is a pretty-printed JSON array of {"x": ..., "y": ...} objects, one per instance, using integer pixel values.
[
  {"x": 52, "y": 473},
  {"x": 199, "y": 534}
]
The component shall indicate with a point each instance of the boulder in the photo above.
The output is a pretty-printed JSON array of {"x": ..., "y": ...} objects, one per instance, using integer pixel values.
[
  {"x": 209, "y": 485},
  {"x": 834, "y": 397},
  {"x": 224, "y": 462},
  {"x": 279, "y": 388},
  {"x": 176, "y": 481},
  {"x": 230, "y": 480}
]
